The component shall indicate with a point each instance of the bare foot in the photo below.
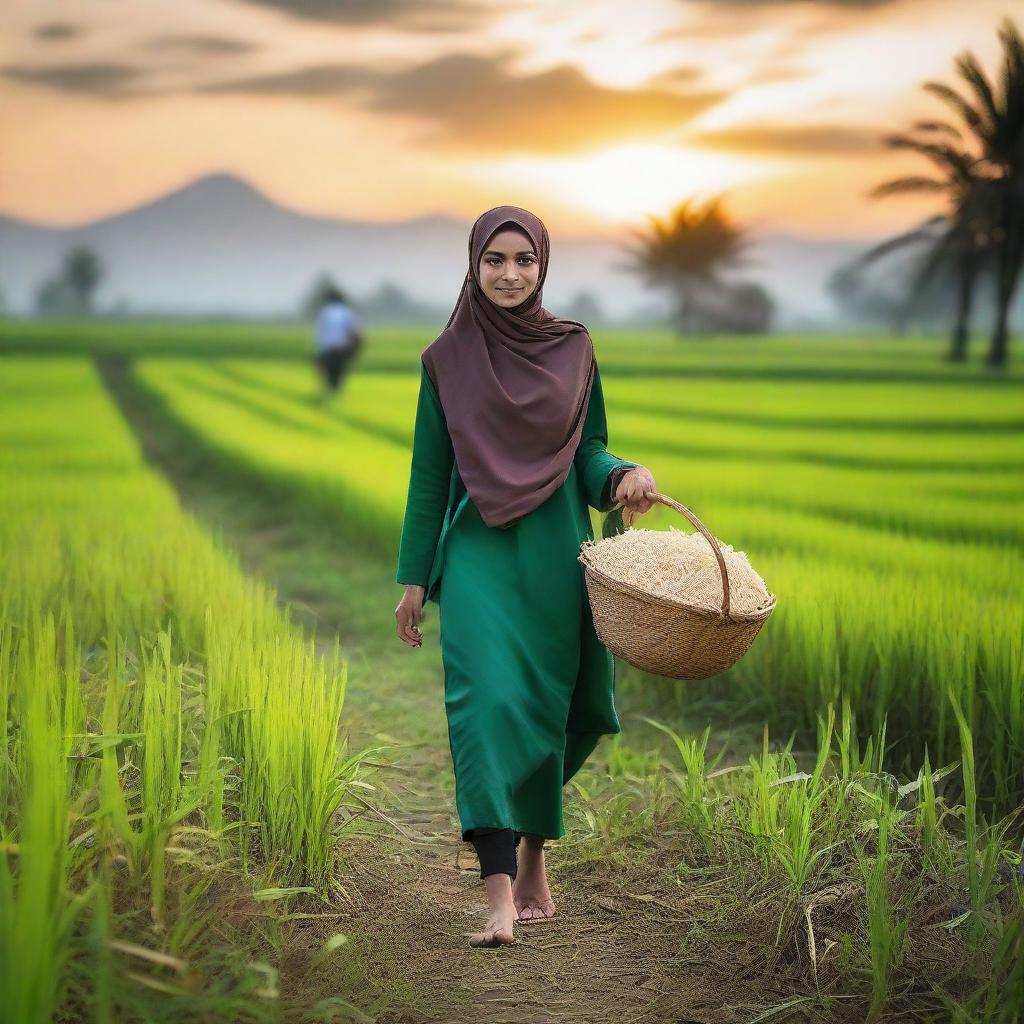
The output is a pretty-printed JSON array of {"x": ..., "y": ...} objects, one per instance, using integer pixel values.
[
  {"x": 530, "y": 892},
  {"x": 497, "y": 931},
  {"x": 534, "y": 908}
]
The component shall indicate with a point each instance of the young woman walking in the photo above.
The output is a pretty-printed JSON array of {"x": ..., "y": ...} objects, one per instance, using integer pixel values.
[{"x": 509, "y": 449}]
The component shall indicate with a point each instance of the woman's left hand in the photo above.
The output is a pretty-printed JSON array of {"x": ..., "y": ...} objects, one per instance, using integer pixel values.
[{"x": 630, "y": 493}]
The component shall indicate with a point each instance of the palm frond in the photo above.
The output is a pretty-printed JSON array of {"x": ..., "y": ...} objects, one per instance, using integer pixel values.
[{"x": 957, "y": 102}]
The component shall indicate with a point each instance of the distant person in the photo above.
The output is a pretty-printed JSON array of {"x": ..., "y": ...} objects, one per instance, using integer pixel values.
[{"x": 339, "y": 338}]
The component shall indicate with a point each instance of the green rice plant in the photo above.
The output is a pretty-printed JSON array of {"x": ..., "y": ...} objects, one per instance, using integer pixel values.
[
  {"x": 113, "y": 816},
  {"x": 981, "y": 864},
  {"x": 698, "y": 810},
  {"x": 792, "y": 815},
  {"x": 974, "y": 878},
  {"x": 101, "y": 985},
  {"x": 930, "y": 811},
  {"x": 165, "y": 801},
  {"x": 794, "y": 846},
  {"x": 36, "y": 911},
  {"x": 211, "y": 763},
  {"x": 927, "y": 817},
  {"x": 999, "y": 999},
  {"x": 608, "y": 825},
  {"x": 284, "y": 704},
  {"x": 763, "y": 799},
  {"x": 852, "y": 761},
  {"x": 1004, "y": 999},
  {"x": 808, "y": 815},
  {"x": 627, "y": 762},
  {"x": 778, "y": 813},
  {"x": 887, "y": 925}
]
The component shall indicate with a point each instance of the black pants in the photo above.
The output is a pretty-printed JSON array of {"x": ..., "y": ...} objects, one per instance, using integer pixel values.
[
  {"x": 334, "y": 363},
  {"x": 496, "y": 849}
]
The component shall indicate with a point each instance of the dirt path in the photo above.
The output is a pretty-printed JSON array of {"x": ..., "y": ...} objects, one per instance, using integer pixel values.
[{"x": 613, "y": 953}]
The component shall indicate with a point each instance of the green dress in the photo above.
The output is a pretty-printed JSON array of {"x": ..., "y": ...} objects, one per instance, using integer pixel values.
[{"x": 529, "y": 687}]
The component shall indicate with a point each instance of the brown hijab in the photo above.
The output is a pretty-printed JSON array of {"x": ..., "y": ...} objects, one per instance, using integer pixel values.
[{"x": 514, "y": 383}]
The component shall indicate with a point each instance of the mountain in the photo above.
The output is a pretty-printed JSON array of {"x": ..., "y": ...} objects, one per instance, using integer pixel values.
[{"x": 219, "y": 245}]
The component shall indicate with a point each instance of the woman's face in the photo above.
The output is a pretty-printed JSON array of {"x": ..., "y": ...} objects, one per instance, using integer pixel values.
[{"x": 509, "y": 268}]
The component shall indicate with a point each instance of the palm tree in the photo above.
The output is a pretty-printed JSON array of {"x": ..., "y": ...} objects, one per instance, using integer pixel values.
[
  {"x": 981, "y": 166},
  {"x": 1002, "y": 127},
  {"x": 685, "y": 252},
  {"x": 956, "y": 242}
]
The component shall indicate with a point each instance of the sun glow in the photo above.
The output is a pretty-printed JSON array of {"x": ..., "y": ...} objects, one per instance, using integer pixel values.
[{"x": 622, "y": 183}]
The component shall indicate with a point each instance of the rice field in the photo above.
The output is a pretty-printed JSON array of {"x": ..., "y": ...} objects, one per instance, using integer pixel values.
[
  {"x": 895, "y": 548},
  {"x": 163, "y": 717},
  {"x": 176, "y": 781}
]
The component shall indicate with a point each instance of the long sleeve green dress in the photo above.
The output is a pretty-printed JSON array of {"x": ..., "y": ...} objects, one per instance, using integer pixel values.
[{"x": 529, "y": 687}]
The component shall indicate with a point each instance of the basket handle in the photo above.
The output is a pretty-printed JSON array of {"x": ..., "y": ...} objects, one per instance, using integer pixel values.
[{"x": 672, "y": 503}]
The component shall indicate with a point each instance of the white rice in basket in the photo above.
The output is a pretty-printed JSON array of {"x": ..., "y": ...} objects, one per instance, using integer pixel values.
[{"x": 680, "y": 566}]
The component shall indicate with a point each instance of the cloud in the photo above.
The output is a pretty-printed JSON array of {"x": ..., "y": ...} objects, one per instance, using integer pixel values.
[
  {"x": 685, "y": 74},
  {"x": 477, "y": 103},
  {"x": 719, "y": 19},
  {"x": 320, "y": 80},
  {"x": 784, "y": 140},
  {"x": 792, "y": 3},
  {"x": 97, "y": 79},
  {"x": 777, "y": 73},
  {"x": 200, "y": 44},
  {"x": 56, "y": 31},
  {"x": 411, "y": 15}
]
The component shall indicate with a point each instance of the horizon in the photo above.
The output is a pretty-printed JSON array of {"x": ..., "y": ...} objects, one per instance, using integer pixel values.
[{"x": 608, "y": 232}]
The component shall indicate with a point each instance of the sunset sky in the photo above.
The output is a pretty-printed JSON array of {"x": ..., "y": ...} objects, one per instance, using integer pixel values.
[{"x": 592, "y": 113}]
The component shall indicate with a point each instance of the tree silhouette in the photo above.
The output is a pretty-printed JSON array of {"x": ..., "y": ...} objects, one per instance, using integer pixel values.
[
  {"x": 893, "y": 292},
  {"x": 685, "y": 253},
  {"x": 981, "y": 177},
  {"x": 389, "y": 303},
  {"x": 70, "y": 291},
  {"x": 585, "y": 308},
  {"x": 83, "y": 272},
  {"x": 53, "y": 297},
  {"x": 750, "y": 308}
]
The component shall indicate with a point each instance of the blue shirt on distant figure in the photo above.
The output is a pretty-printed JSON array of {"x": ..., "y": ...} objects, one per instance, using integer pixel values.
[{"x": 337, "y": 326}]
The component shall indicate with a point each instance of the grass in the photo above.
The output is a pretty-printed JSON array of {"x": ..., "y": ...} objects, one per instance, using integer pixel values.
[{"x": 817, "y": 870}]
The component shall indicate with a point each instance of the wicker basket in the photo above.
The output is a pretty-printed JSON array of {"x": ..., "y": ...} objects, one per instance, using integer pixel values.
[{"x": 664, "y": 636}]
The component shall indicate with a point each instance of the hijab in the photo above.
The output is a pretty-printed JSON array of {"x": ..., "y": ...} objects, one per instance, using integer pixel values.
[{"x": 513, "y": 382}]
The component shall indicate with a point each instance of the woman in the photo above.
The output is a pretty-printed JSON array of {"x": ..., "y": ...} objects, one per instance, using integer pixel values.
[{"x": 509, "y": 449}]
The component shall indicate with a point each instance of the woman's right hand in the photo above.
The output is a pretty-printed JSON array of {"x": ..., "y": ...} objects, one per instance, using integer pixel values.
[{"x": 409, "y": 615}]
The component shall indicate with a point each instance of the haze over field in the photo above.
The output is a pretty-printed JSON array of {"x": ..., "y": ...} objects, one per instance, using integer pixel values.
[
  {"x": 217, "y": 244},
  {"x": 375, "y": 133}
]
